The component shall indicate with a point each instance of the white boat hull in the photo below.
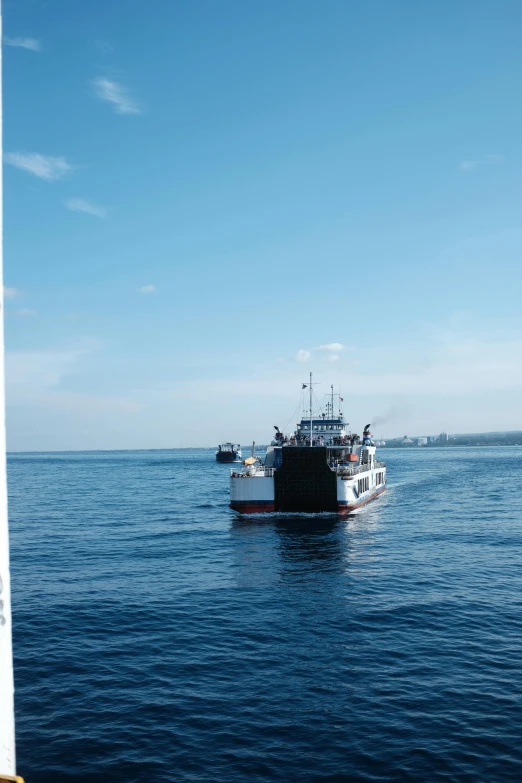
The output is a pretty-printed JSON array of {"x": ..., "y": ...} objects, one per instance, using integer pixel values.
[{"x": 257, "y": 494}]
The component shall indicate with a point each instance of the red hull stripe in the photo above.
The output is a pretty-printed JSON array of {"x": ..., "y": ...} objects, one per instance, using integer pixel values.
[
  {"x": 253, "y": 506},
  {"x": 347, "y": 508},
  {"x": 267, "y": 506}
]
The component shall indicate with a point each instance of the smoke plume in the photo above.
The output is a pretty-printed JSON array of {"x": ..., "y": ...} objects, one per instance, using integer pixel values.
[{"x": 393, "y": 412}]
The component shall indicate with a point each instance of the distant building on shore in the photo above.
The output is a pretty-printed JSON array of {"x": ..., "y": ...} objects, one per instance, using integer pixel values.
[{"x": 511, "y": 438}]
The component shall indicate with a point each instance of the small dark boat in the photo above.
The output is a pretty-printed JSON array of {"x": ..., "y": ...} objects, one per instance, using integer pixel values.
[{"x": 229, "y": 452}]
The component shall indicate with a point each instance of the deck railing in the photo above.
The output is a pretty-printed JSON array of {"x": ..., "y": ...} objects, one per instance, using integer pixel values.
[
  {"x": 344, "y": 471},
  {"x": 258, "y": 471}
]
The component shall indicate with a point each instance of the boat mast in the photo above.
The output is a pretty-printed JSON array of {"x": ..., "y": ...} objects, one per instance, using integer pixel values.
[
  {"x": 311, "y": 415},
  {"x": 332, "y": 402},
  {"x": 7, "y": 738}
]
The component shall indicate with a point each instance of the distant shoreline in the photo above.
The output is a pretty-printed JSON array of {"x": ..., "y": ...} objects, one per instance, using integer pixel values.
[
  {"x": 389, "y": 446},
  {"x": 512, "y": 438}
]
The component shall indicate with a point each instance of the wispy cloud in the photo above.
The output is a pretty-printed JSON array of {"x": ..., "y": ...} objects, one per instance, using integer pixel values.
[
  {"x": 25, "y": 312},
  {"x": 115, "y": 93},
  {"x": 82, "y": 205},
  {"x": 23, "y": 43},
  {"x": 467, "y": 166},
  {"x": 328, "y": 352},
  {"x": 44, "y": 166},
  {"x": 35, "y": 378},
  {"x": 148, "y": 289},
  {"x": 11, "y": 293},
  {"x": 331, "y": 347},
  {"x": 103, "y": 46}
]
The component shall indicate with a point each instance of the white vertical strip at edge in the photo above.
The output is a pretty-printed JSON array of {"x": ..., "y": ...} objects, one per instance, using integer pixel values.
[{"x": 7, "y": 738}]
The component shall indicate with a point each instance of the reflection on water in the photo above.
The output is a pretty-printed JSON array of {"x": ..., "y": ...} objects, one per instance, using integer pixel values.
[
  {"x": 288, "y": 544},
  {"x": 255, "y": 551},
  {"x": 311, "y": 541},
  {"x": 269, "y": 547}
]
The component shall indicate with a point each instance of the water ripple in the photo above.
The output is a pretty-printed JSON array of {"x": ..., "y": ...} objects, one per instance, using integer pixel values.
[{"x": 158, "y": 636}]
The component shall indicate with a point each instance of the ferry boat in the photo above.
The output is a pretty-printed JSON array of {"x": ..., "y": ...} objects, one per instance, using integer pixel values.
[
  {"x": 321, "y": 467},
  {"x": 229, "y": 452}
]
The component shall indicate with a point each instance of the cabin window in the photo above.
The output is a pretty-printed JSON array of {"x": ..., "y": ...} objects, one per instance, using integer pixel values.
[{"x": 363, "y": 484}]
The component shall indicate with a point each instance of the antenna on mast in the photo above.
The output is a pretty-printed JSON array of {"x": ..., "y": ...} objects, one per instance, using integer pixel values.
[{"x": 310, "y": 385}]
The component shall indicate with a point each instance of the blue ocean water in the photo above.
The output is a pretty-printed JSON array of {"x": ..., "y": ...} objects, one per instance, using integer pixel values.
[{"x": 158, "y": 637}]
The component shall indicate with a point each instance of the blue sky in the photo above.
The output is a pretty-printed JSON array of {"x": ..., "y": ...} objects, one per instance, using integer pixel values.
[{"x": 205, "y": 201}]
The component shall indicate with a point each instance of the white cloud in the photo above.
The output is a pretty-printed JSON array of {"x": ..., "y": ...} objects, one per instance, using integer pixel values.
[
  {"x": 37, "y": 378},
  {"x": 328, "y": 351},
  {"x": 11, "y": 293},
  {"x": 30, "y": 371},
  {"x": 331, "y": 347},
  {"x": 455, "y": 378},
  {"x": 148, "y": 289},
  {"x": 25, "y": 312},
  {"x": 24, "y": 43},
  {"x": 44, "y": 166},
  {"x": 468, "y": 166},
  {"x": 82, "y": 205},
  {"x": 115, "y": 93},
  {"x": 45, "y": 413},
  {"x": 448, "y": 363}
]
